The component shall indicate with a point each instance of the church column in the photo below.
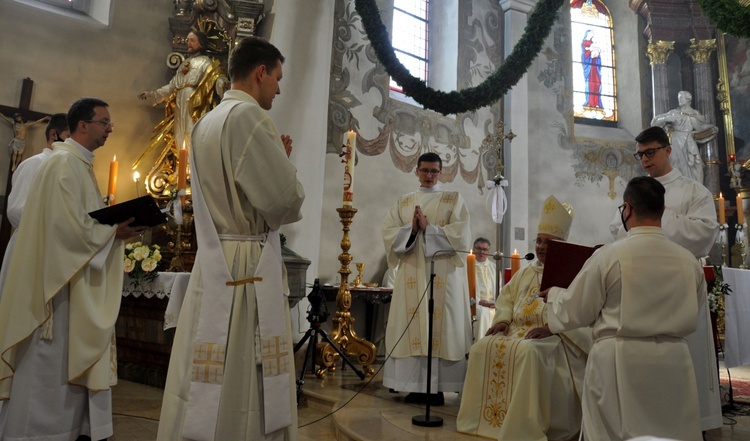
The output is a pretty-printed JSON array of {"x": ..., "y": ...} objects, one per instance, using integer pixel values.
[
  {"x": 703, "y": 101},
  {"x": 516, "y": 117},
  {"x": 658, "y": 53},
  {"x": 303, "y": 34}
]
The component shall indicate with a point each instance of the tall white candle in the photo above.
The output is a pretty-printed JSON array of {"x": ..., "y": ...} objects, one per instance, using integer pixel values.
[{"x": 349, "y": 152}]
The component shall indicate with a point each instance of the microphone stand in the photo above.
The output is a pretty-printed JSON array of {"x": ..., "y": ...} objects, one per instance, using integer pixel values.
[{"x": 428, "y": 420}]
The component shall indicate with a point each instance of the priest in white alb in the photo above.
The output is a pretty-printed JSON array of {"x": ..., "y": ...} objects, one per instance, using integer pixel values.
[
  {"x": 485, "y": 294},
  {"x": 62, "y": 295},
  {"x": 231, "y": 372},
  {"x": 423, "y": 227}
]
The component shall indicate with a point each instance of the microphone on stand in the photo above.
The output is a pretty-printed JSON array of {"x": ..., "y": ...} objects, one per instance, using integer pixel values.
[{"x": 498, "y": 255}]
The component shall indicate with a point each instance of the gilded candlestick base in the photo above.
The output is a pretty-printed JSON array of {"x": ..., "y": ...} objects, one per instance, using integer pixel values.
[
  {"x": 741, "y": 240},
  {"x": 342, "y": 333}
]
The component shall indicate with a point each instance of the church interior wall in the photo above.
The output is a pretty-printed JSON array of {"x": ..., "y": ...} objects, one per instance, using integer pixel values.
[
  {"x": 574, "y": 161},
  {"x": 68, "y": 59}
]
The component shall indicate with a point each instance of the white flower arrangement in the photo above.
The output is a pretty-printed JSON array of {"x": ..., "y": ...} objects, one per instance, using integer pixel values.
[{"x": 141, "y": 261}]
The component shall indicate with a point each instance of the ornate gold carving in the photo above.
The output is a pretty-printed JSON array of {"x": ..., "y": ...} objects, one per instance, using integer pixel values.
[
  {"x": 658, "y": 51},
  {"x": 725, "y": 101},
  {"x": 700, "y": 50}
]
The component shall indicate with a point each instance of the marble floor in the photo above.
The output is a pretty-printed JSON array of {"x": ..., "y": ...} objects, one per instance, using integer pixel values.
[{"x": 373, "y": 414}]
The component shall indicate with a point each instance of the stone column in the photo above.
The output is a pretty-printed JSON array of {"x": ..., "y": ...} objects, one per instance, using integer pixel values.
[
  {"x": 516, "y": 117},
  {"x": 658, "y": 53},
  {"x": 704, "y": 100}
]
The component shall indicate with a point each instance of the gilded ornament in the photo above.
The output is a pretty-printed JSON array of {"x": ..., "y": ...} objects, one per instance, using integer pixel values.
[
  {"x": 658, "y": 51},
  {"x": 700, "y": 50}
]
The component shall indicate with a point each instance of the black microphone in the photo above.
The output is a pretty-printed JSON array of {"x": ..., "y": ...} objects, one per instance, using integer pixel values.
[{"x": 498, "y": 256}]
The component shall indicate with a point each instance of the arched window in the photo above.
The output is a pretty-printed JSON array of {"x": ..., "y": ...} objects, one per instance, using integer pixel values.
[
  {"x": 594, "y": 80},
  {"x": 410, "y": 38}
]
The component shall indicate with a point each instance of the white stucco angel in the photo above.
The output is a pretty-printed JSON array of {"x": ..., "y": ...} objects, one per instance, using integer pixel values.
[{"x": 686, "y": 128}]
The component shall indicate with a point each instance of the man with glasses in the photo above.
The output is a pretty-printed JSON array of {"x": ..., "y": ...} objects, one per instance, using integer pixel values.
[
  {"x": 485, "y": 295},
  {"x": 689, "y": 220},
  {"x": 423, "y": 227},
  {"x": 62, "y": 296}
]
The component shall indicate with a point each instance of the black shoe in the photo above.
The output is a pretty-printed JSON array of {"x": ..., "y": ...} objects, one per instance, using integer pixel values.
[{"x": 415, "y": 398}]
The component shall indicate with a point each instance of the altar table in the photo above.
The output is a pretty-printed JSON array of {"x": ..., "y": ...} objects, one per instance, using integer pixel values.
[{"x": 737, "y": 317}]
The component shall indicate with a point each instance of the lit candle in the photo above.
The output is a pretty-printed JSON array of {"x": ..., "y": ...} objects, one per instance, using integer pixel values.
[
  {"x": 136, "y": 178},
  {"x": 722, "y": 217},
  {"x": 112, "y": 187},
  {"x": 515, "y": 262},
  {"x": 471, "y": 275},
  {"x": 182, "y": 160},
  {"x": 350, "y": 149},
  {"x": 740, "y": 213}
]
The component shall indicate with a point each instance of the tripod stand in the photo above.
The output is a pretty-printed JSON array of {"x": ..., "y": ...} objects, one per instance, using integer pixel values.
[{"x": 316, "y": 316}]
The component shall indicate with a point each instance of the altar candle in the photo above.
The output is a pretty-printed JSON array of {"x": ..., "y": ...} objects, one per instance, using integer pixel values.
[
  {"x": 515, "y": 262},
  {"x": 136, "y": 178},
  {"x": 471, "y": 274},
  {"x": 351, "y": 148},
  {"x": 722, "y": 217},
  {"x": 740, "y": 213},
  {"x": 112, "y": 187},
  {"x": 182, "y": 159}
]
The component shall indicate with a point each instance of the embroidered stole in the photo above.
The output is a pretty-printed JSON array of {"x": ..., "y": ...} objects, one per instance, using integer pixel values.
[{"x": 414, "y": 283}]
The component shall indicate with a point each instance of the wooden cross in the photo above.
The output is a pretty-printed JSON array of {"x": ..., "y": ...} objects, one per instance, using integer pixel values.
[{"x": 28, "y": 115}]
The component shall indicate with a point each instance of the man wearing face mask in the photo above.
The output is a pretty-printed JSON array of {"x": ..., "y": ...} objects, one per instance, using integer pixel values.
[
  {"x": 689, "y": 220},
  {"x": 23, "y": 177}
]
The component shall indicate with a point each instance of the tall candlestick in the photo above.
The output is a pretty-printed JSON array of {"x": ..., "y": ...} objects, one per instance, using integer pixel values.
[
  {"x": 471, "y": 275},
  {"x": 515, "y": 262},
  {"x": 182, "y": 160},
  {"x": 740, "y": 213},
  {"x": 722, "y": 217},
  {"x": 112, "y": 187},
  {"x": 350, "y": 149}
]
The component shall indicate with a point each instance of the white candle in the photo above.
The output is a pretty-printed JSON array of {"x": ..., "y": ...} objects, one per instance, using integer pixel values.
[{"x": 349, "y": 152}]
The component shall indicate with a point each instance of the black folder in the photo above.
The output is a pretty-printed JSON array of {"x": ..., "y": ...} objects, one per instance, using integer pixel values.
[{"x": 143, "y": 209}]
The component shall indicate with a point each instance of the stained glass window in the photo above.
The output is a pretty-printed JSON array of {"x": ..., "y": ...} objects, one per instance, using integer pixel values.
[
  {"x": 410, "y": 26},
  {"x": 594, "y": 80}
]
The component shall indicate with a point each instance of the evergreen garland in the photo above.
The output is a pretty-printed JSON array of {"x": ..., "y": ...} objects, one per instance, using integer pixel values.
[
  {"x": 729, "y": 15},
  {"x": 491, "y": 90}
]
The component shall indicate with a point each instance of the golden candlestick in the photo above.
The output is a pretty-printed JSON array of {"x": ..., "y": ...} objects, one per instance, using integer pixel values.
[
  {"x": 723, "y": 238},
  {"x": 743, "y": 253},
  {"x": 342, "y": 333}
]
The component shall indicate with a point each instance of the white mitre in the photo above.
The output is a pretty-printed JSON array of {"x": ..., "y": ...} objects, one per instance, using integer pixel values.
[{"x": 555, "y": 218}]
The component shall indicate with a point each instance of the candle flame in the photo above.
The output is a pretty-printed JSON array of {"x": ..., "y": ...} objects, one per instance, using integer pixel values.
[
  {"x": 515, "y": 251},
  {"x": 136, "y": 176},
  {"x": 720, "y": 195},
  {"x": 184, "y": 145},
  {"x": 114, "y": 158}
]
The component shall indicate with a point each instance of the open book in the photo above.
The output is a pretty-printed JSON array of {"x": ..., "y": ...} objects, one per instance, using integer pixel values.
[
  {"x": 564, "y": 261},
  {"x": 143, "y": 209}
]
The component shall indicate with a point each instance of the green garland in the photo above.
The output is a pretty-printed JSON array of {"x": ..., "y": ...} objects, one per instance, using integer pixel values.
[
  {"x": 729, "y": 15},
  {"x": 491, "y": 90}
]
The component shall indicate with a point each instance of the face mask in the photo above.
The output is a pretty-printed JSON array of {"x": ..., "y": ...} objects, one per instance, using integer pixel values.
[{"x": 624, "y": 220}]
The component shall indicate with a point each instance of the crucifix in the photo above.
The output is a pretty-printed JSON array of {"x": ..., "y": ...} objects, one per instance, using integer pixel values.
[{"x": 25, "y": 114}]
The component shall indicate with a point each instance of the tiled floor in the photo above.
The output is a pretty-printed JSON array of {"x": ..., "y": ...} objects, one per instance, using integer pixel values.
[{"x": 375, "y": 414}]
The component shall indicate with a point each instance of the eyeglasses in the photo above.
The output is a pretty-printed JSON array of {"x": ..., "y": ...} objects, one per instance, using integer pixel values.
[
  {"x": 647, "y": 153},
  {"x": 106, "y": 124},
  {"x": 432, "y": 172},
  {"x": 621, "y": 208}
]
